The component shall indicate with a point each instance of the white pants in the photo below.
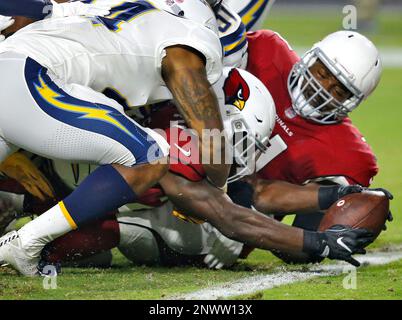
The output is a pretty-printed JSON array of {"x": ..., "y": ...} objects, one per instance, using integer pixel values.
[
  {"x": 43, "y": 115},
  {"x": 138, "y": 229}
]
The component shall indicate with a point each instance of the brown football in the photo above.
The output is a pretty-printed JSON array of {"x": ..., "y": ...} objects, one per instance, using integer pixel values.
[{"x": 367, "y": 210}]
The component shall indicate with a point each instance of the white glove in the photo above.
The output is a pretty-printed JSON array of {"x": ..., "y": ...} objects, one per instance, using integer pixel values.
[
  {"x": 78, "y": 8},
  {"x": 224, "y": 252},
  {"x": 5, "y": 22}
]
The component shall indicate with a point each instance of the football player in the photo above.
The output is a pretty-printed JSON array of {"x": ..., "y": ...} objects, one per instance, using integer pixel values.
[
  {"x": 316, "y": 141},
  {"x": 316, "y": 147},
  {"x": 54, "y": 69},
  {"x": 310, "y": 134},
  {"x": 315, "y": 151},
  {"x": 249, "y": 111},
  {"x": 232, "y": 31}
]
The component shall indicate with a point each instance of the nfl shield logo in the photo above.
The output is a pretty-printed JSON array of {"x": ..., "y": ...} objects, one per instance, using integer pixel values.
[{"x": 290, "y": 113}]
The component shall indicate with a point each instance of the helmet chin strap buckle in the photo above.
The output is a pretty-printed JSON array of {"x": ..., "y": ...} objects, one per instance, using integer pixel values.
[
  {"x": 177, "y": 10},
  {"x": 260, "y": 146}
]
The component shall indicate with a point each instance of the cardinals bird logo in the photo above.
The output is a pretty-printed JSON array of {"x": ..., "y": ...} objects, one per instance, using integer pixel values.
[{"x": 236, "y": 90}]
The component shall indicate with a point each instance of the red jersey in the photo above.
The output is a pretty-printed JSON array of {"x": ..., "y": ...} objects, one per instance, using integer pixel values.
[
  {"x": 184, "y": 150},
  {"x": 313, "y": 151}
]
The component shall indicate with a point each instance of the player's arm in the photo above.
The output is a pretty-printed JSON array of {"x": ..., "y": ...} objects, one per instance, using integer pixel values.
[
  {"x": 184, "y": 72},
  {"x": 35, "y": 9},
  {"x": 202, "y": 201},
  {"x": 40, "y": 9},
  {"x": 280, "y": 197}
]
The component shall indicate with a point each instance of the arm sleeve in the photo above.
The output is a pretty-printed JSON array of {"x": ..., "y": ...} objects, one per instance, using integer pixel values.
[{"x": 35, "y": 9}]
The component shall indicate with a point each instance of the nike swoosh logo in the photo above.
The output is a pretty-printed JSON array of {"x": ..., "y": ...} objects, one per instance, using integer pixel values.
[
  {"x": 342, "y": 244},
  {"x": 186, "y": 153}
]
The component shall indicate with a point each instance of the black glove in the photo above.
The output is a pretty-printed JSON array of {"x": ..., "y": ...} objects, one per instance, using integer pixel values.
[
  {"x": 338, "y": 242},
  {"x": 345, "y": 190},
  {"x": 390, "y": 197},
  {"x": 328, "y": 195}
]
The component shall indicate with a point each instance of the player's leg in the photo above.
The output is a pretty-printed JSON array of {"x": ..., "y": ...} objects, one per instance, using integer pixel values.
[
  {"x": 145, "y": 237},
  {"x": 39, "y": 116},
  {"x": 145, "y": 246},
  {"x": 98, "y": 237},
  {"x": 136, "y": 242},
  {"x": 159, "y": 237},
  {"x": 139, "y": 244}
]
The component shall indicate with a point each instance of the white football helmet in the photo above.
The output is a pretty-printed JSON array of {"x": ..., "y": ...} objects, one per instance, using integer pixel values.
[
  {"x": 355, "y": 62},
  {"x": 196, "y": 10},
  {"x": 248, "y": 114}
]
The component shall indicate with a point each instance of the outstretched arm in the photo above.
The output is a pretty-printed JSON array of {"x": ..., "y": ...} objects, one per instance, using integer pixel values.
[
  {"x": 201, "y": 200},
  {"x": 280, "y": 197},
  {"x": 35, "y": 9},
  {"x": 183, "y": 70}
]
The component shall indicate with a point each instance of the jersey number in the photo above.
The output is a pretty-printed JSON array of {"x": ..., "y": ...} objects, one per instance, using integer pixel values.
[{"x": 125, "y": 12}]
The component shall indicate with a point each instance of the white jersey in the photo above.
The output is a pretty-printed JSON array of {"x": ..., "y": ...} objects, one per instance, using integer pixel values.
[
  {"x": 122, "y": 52},
  {"x": 181, "y": 236},
  {"x": 228, "y": 25}
]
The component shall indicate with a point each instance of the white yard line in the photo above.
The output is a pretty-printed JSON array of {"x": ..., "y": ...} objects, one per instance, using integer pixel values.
[
  {"x": 391, "y": 56},
  {"x": 263, "y": 282}
]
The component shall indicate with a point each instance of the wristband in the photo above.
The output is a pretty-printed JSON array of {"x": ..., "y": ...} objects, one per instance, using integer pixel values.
[
  {"x": 327, "y": 196},
  {"x": 313, "y": 242},
  {"x": 241, "y": 193}
]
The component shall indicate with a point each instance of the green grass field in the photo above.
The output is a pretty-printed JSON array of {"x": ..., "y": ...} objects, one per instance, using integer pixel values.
[
  {"x": 379, "y": 119},
  {"x": 304, "y": 28}
]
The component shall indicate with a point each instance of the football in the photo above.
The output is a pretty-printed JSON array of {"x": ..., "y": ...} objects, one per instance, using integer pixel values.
[{"x": 368, "y": 210}]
